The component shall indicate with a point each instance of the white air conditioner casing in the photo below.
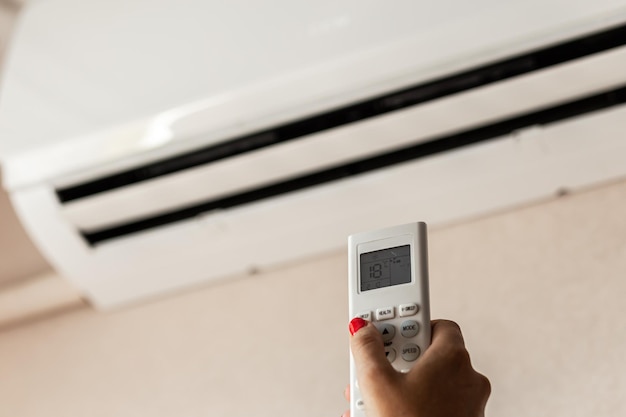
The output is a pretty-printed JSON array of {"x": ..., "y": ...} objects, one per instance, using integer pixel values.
[{"x": 134, "y": 83}]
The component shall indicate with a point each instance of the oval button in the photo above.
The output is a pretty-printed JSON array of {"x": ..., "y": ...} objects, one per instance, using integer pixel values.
[
  {"x": 385, "y": 313},
  {"x": 408, "y": 309}
]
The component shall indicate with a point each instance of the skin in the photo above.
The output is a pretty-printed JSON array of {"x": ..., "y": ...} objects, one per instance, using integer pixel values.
[{"x": 442, "y": 383}]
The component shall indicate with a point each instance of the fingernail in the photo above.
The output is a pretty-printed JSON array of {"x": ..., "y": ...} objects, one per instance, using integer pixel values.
[{"x": 356, "y": 324}]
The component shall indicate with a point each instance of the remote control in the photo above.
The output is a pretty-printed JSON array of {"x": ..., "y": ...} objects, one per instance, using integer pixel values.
[{"x": 388, "y": 286}]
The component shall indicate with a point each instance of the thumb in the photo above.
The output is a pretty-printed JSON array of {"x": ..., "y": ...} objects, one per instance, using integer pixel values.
[{"x": 368, "y": 351}]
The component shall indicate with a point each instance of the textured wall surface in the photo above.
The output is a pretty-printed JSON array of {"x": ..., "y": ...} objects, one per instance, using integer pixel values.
[{"x": 538, "y": 291}]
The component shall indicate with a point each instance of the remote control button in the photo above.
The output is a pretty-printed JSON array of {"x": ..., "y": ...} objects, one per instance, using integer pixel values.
[
  {"x": 405, "y": 371},
  {"x": 409, "y": 328},
  {"x": 360, "y": 405},
  {"x": 410, "y": 352},
  {"x": 385, "y": 313},
  {"x": 391, "y": 354},
  {"x": 388, "y": 332},
  {"x": 366, "y": 315},
  {"x": 408, "y": 310}
]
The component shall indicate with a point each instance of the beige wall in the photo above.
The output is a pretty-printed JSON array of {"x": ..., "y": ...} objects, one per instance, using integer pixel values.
[
  {"x": 539, "y": 293},
  {"x": 19, "y": 257}
]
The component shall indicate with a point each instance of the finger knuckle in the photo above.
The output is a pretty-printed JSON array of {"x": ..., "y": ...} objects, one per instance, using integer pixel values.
[
  {"x": 459, "y": 356},
  {"x": 447, "y": 324},
  {"x": 484, "y": 384},
  {"x": 452, "y": 324}
]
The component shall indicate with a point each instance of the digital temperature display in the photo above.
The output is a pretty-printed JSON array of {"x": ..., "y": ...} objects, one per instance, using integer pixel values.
[{"x": 385, "y": 268}]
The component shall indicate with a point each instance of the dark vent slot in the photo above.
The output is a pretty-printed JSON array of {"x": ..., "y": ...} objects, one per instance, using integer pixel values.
[
  {"x": 432, "y": 147},
  {"x": 376, "y": 106}
]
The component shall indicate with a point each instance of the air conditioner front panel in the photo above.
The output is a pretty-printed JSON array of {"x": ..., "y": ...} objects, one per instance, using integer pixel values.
[
  {"x": 544, "y": 88},
  {"x": 478, "y": 180}
]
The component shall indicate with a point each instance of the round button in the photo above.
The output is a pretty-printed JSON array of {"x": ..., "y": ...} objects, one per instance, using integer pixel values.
[
  {"x": 388, "y": 332},
  {"x": 391, "y": 354},
  {"x": 360, "y": 405},
  {"x": 409, "y": 328},
  {"x": 410, "y": 352}
]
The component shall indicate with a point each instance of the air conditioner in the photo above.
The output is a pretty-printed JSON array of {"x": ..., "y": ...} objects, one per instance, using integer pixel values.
[{"x": 153, "y": 146}]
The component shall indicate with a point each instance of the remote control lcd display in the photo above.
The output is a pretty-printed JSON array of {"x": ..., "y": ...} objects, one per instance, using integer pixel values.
[{"x": 385, "y": 268}]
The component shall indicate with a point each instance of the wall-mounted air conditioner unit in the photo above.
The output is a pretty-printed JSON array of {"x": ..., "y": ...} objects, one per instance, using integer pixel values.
[{"x": 312, "y": 124}]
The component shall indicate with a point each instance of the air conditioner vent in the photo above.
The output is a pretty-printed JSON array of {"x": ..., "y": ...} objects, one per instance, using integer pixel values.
[
  {"x": 377, "y": 106},
  {"x": 431, "y": 147}
]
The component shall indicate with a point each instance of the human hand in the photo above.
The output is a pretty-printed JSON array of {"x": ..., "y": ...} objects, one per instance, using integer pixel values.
[{"x": 442, "y": 383}]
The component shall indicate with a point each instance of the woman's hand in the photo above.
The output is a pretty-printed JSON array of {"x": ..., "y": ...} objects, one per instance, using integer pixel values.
[{"x": 441, "y": 384}]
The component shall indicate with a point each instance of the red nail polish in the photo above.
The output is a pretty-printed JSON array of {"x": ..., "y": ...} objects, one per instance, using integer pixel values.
[{"x": 356, "y": 324}]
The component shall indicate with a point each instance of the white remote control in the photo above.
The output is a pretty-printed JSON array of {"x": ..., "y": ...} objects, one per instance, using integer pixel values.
[{"x": 388, "y": 285}]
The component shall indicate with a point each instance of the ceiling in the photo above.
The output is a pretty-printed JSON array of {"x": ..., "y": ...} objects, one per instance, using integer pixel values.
[{"x": 135, "y": 58}]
